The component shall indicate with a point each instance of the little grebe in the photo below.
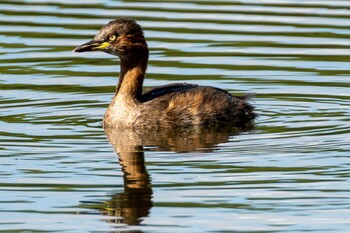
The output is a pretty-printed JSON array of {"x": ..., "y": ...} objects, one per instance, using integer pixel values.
[{"x": 176, "y": 105}]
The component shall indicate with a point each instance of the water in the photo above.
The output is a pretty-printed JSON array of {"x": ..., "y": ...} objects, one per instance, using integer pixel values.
[{"x": 59, "y": 173}]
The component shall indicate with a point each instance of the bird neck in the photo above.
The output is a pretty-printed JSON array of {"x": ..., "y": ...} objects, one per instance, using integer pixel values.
[{"x": 132, "y": 73}]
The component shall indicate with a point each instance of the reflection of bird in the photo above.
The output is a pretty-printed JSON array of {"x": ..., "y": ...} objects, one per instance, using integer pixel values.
[
  {"x": 167, "y": 106},
  {"x": 198, "y": 139},
  {"x": 134, "y": 204}
]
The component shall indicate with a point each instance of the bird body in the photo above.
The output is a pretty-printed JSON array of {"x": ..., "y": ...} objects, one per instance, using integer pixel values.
[{"x": 175, "y": 105}]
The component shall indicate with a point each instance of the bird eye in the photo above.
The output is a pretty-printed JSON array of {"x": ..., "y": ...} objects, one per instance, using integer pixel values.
[{"x": 112, "y": 38}]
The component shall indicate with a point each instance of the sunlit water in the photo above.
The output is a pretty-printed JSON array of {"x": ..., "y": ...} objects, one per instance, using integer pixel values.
[{"x": 59, "y": 173}]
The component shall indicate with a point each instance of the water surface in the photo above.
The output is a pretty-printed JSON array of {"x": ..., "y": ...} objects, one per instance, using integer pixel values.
[{"x": 59, "y": 173}]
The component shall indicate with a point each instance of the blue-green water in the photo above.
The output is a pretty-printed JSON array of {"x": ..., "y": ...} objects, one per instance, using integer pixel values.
[{"x": 59, "y": 173}]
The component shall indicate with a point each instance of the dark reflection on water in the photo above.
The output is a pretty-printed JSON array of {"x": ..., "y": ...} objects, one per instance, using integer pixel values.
[
  {"x": 135, "y": 202},
  {"x": 195, "y": 139}
]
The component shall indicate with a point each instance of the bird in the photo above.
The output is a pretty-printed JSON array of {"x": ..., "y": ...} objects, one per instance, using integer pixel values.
[{"x": 170, "y": 106}]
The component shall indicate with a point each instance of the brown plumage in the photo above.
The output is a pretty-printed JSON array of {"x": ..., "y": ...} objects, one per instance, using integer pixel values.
[{"x": 176, "y": 105}]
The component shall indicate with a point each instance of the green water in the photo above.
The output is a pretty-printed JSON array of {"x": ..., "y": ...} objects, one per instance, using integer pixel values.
[{"x": 59, "y": 173}]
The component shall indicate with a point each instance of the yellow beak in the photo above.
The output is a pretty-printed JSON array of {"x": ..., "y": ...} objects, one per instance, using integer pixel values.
[{"x": 92, "y": 45}]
